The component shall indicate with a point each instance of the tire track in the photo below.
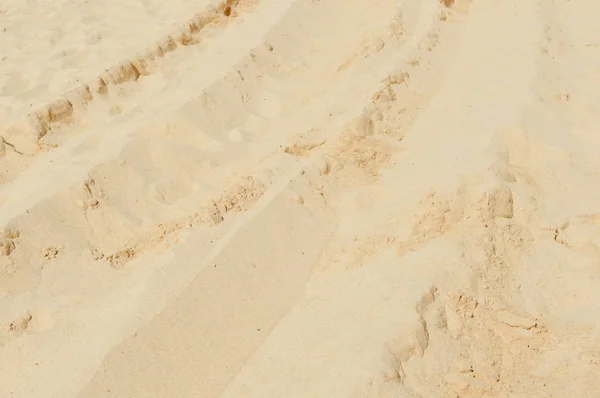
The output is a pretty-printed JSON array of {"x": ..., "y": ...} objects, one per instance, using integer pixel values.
[{"x": 110, "y": 376}]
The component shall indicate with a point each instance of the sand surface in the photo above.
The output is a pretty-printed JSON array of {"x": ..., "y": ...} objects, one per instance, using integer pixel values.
[{"x": 299, "y": 198}]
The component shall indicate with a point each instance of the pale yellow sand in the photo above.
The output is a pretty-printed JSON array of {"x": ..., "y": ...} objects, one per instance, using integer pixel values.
[{"x": 300, "y": 198}]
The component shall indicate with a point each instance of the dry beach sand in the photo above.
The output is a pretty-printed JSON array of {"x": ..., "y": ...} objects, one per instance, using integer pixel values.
[{"x": 300, "y": 198}]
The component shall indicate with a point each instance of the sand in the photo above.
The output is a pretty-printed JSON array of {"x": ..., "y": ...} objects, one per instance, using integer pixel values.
[{"x": 299, "y": 198}]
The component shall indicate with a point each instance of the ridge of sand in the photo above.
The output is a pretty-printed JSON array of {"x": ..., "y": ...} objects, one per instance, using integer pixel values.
[
  {"x": 323, "y": 198},
  {"x": 50, "y": 115}
]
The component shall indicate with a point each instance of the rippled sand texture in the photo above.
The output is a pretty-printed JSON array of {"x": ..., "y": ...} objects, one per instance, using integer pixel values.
[{"x": 299, "y": 198}]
